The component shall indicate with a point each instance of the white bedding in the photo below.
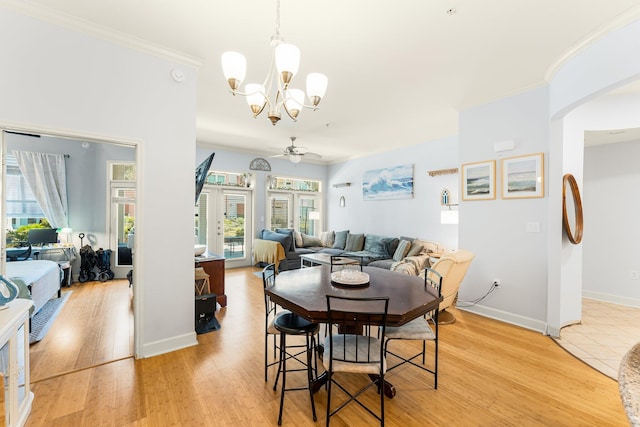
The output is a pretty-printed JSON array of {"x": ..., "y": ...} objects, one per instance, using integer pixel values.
[{"x": 42, "y": 276}]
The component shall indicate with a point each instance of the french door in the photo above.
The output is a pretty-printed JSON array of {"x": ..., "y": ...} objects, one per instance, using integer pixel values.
[
  {"x": 223, "y": 222},
  {"x": 300, "y": 211}
]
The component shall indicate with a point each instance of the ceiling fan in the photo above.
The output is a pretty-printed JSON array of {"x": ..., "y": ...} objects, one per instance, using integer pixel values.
[{"x": 295, "y": 153}]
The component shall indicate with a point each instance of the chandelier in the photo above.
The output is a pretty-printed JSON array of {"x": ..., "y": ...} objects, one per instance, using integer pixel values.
[{"x": 285, "y": 61}]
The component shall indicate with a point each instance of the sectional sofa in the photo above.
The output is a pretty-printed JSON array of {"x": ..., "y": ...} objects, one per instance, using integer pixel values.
[{"x": 404, "y": 254}]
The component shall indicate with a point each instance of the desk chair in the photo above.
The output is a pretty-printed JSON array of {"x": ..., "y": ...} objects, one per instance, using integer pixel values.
[
  {"x": 350, "y": 351},
  {"x": 419, "y": 330}
]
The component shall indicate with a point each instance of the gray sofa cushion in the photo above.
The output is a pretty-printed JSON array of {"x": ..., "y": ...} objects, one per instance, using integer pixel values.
[
  {"x": 382, "y": 263},
  {"x": 288, "y": 231},
  {"x": 355, "y": 242},
  {"x": 380, "y": 245},
  {"x": 340, "y": 239},
  {"x": 402, "y": 250},
  {"x": 284, "y": 239}
]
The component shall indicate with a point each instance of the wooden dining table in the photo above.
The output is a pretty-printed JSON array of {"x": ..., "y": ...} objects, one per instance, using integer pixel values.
[{"x": 304, "y": 291}]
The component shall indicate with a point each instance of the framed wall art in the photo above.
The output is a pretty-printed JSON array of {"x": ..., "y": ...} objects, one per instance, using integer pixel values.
[
  {"x": 388, "y": 183},
  {"x": 479, "y": 180},
  {"x": 523, "y": 176}
]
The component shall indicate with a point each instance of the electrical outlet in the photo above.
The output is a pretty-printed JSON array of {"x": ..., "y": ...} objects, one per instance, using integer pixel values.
[
  {"x": 496, "y": 282},
  {"x": 634, "y": 274}
]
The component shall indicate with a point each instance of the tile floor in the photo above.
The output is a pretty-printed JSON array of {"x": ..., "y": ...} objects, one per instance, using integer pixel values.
[{"x": 606, "y": 333}]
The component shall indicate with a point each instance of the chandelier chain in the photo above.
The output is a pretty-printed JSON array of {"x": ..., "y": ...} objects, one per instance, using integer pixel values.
[{"x": 278, "y": 18}]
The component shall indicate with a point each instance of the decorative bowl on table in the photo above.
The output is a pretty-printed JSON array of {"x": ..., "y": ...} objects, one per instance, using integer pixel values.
[
  {"x": 349, "y": 277},
  {"x": 200, "y": 249}
]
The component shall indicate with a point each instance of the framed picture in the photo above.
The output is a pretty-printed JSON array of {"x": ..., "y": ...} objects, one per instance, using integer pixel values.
[
  {"x": 388, "y": 183},
  {"x": 523, "y": 176},
  {"x": 479, "y": 180}
]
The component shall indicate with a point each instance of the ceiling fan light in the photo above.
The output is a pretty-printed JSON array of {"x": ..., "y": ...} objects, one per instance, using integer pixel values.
[
  {"x": 234, "y": 67},
  {"x": 316, "y": 87},
  {"x": 287, "y": 61},
  {"x": 295, "y": 158}
]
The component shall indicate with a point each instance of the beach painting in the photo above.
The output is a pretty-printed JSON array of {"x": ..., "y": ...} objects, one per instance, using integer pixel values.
[
  {"x": 388, "y": 183},
  {"x": 479, "y": 180},
  {"x": 523, "y": 176}
]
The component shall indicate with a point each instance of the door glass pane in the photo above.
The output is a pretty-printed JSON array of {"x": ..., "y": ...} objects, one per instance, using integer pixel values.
[
  {"x": 307, "y": 224},
  {"x": 125, "y": 222},
  {"x": 279, "y": 212},
  {"x": 234, "y": 226},
  {"x": 201, "y": 220}
]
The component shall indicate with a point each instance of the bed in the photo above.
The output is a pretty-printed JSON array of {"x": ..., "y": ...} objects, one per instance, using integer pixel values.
[{"x": 42, "y": 277}]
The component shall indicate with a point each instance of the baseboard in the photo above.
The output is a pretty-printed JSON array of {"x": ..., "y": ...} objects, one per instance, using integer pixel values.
[
  {"x": 168, "y": 345},
  {"x": 503, "y": 316},
  {"x": 614, "y": 299}
]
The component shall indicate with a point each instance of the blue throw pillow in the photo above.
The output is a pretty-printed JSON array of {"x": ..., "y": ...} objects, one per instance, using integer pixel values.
[
  {"x": 284, "y": 239},
  {"x": 288, "y": 231},
  {"x": 340, "y": 239}
]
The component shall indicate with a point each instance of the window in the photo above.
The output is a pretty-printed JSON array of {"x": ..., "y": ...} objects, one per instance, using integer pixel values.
[
  {"x": 22, "y": 207},
  {"x": 294, "y": 203}
]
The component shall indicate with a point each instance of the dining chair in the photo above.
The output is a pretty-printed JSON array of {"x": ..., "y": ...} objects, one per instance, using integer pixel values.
[
  {"x": 339, "y": 262},
  {"x": 419, "y": 329},
  {"x": 351, "y": 351}
]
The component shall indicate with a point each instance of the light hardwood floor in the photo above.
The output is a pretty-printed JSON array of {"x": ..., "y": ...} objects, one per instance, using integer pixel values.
[{"x": 491, "y": 374}]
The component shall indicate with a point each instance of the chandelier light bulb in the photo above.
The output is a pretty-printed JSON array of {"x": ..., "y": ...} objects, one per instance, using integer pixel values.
[
  {"x": 234, "y": 67},
  {"x": 255, "y": 97},
  {"x": 294, "y": 101},
  {"x": 316, "y": 87},
  {"x": 287, "y": 61}
]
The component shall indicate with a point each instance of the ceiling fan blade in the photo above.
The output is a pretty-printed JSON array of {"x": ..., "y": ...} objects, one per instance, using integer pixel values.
[
  {"x": 278, "y": 155},
  {"x": 314, "y": 155}
]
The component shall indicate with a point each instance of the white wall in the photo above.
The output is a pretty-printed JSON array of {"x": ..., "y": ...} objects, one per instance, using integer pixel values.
[
  {"x": 65, "y": 82},
  {"x": 416, "y": 217},
  {"x": 496, "y": 230},
  {"x": 612, "y": 230}
]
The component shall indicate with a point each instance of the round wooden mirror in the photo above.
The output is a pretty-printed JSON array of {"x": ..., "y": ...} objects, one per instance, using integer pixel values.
[{"x": 571, "y": 209}]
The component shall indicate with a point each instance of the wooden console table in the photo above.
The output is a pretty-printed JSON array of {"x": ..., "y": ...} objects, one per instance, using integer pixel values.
[{"x": 213, "y": 265}]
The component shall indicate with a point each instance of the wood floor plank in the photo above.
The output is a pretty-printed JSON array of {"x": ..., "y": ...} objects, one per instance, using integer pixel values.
[{"x": 490, "y": 374}]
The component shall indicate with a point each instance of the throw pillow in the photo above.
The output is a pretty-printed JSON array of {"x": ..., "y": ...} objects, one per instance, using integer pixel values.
[
  {"x": 284, "y": 239},
  {"x": 402, "y": 250},
  {"x": 355, "y": 242},
  {"x": 308, "y": 241},
  {"x": 375, "y": 244},
  {"x": 340, "y": 239},
  {"x": 298, "y": 238},
  {"x": 288, "y": 231},
  {"x": 326, "y": 238},
  {"x": 416, "y": 248}
]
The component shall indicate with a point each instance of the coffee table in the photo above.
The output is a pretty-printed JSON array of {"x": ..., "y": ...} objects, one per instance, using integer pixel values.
[{"x": 322, "y": 259}]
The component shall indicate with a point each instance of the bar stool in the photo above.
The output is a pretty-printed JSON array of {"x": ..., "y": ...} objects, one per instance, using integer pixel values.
[
  {"x": 201, "y": 281},
  {"x": 292, "y": 324}
]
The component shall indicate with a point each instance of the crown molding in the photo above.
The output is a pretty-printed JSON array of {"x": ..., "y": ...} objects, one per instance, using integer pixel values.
[
  {"x": 618, "y": 22},
  {"x": 47, "y": 14}
]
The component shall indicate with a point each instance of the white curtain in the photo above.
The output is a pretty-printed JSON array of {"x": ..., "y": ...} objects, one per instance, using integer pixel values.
[{"x": 47, "y": 178}]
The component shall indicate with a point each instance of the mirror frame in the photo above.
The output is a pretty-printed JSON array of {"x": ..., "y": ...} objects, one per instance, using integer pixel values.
[{"x": 573, "y": 233}]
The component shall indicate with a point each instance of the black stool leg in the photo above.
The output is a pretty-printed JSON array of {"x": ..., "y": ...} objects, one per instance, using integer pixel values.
[
  {"x": 310, "y": 348},
  {"x": 283, "y": 363}
]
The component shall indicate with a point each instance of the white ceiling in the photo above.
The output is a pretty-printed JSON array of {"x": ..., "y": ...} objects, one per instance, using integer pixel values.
[{"x": 398, "y": 72}]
